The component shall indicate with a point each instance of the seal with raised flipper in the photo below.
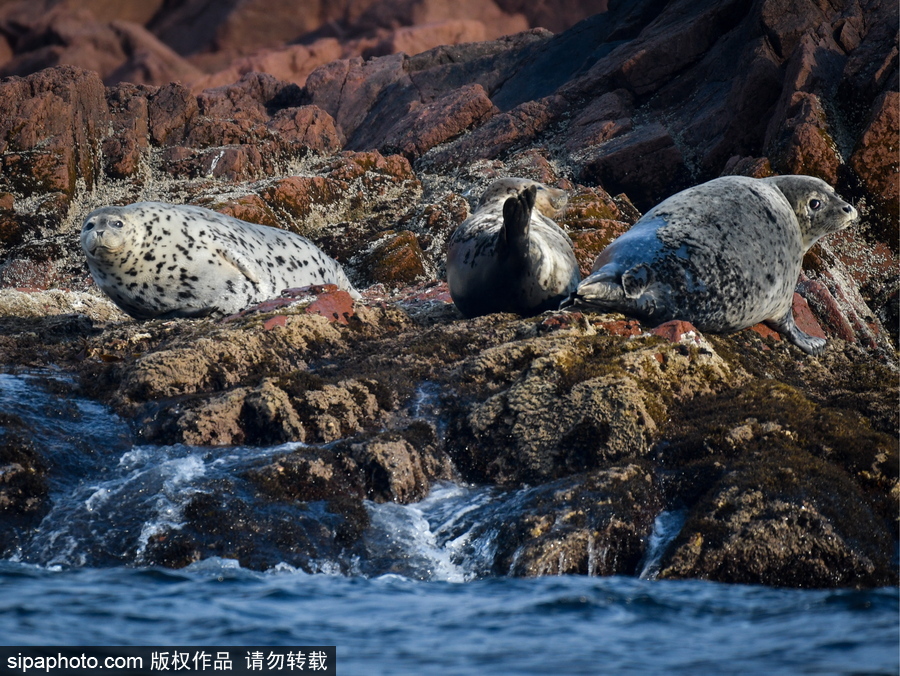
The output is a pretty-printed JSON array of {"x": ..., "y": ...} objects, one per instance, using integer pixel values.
[
  {"x": 723, "y": 255},
  {"x": 158, "y": 260},
  {"x": 509, "y": 255}
]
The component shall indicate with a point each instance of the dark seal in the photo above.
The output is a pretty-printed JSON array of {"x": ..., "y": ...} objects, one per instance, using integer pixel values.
[
  {"x": 723, "y": 255},
  {"x": 509, "y": 256},
  {"x": 157, "y": 260}
]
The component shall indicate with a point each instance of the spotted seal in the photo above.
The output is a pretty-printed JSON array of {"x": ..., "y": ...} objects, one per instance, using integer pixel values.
[
  {"x": 723, "y": 255},
  {"x": 166, "y": 260},
  {"x": 509, "y": 256}
]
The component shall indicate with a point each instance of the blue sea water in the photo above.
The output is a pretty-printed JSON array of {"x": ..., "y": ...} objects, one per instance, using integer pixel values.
[{"x": 436, "y": 612}]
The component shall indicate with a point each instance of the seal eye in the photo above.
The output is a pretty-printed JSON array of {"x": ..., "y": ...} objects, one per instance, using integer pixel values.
[
  {"x": 117, "y": 224},
  {"x": 89, "y": 226},
  {"x": 815, "y": 204}
]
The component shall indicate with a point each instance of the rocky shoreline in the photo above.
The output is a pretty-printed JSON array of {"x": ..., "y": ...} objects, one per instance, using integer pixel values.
[{"x": 784, "y": 466}]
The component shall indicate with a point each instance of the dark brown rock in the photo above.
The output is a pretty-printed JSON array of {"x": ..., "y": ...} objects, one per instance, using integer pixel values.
[
  {"x": 24, "y": 487},
  {"x": 396, "y": 261},
  {"x": 790, "y": 493},
  {"x": 644, "y": 163},
  {"x": 170, "y": 110}
]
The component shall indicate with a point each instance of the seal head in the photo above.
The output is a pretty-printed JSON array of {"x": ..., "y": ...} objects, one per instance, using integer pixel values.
[
  {"x": 509, "y": 255},
  {"x": 157, "y": 260},
  {"x": 723, "y": 255}
]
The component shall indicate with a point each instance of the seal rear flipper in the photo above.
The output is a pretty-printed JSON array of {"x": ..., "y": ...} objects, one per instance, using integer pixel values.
[
  {"x": 786, "y": 327},
  {"x": 516, "y": 219},
  {"x": 601, "y": 290}
]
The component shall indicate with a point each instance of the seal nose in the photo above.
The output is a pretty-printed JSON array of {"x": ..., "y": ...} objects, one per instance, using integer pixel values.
[{"x": 850, "y": 210}]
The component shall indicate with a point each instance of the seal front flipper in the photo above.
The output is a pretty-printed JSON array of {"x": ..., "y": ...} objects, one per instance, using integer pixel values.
[
  {"x": 516, "y": 220},
  {"x": 786, "y": 326},
  {"x": 242, "y": 264}
]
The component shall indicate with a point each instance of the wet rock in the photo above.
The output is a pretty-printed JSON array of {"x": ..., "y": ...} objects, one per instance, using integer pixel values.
[
  {"x": 227, "y": 522},
  {"x": 569, "y": 408},
  {"x": 386, "y": 467},
  {"x": 24, "y": 487},
  {"x": 587, "y": 524},
  {"x": 779, "y": 535},
  {"x": 781, "y": 492}
]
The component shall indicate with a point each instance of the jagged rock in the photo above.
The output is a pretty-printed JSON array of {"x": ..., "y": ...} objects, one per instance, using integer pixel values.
[
  {"x": 582, "y": 408},
  {"x": 50, "y": 129}
]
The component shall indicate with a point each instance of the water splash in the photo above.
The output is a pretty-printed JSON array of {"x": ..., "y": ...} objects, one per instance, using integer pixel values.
[{"x": 666, "y": 528}]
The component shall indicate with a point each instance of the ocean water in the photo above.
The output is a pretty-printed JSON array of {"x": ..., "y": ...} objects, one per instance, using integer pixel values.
[{"x": 416, "y": 597}]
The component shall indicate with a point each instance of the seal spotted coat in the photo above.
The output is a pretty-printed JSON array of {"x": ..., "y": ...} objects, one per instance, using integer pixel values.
[
  {"x": 723, "y": 255},
  {"x": 165, "y": 260},
  {"x": 509, "y": 256}
]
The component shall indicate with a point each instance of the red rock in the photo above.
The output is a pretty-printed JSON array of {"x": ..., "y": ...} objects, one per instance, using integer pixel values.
[
  {"x": 502, "y": 132},
  {"x": 6, "y": 52},
  {"x": 246, "y": 99},
  {"x": 123, "y": 151},
  {"x": 808, "y": 148},
  {"x": 392, "y": 13},
  {"x": 148, "y": 61},
  {"x": 296, "y": 196},
  {"x": 604, "y": 118},
  {"x": 292, "y": 63},
  {"x": 335, "y": 305},
  {"x": 804, "y": 318},
  {"x": 62, "y": 35},
  {"x": 171, "y": 109},
  {"x": 557, "y": 16},
  {"x": 419, "y": 38},
  {"x": 622, "y": 327},
  {"x": 589, "y": 243},
  {"x": 754, "y": 167},
  {"x": 674, "y": 330},
  {"x": 350, "y": 165},
  {"x": 428, "y": 125},
  {"x": 213, "y": 33},
  {"x": 274, "y": 322},
  {"x": 250, "y": 208},
  {"x": 348, "y": 89},
  {"x": 307, "y": 126},
  {"x": 563, "y": 320},
  {"x": 50, "y": 129},
  {"x": 820, "y": 298},
  {"x": 235, "y": 163},
  {"x": 765, "y": 332}
]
